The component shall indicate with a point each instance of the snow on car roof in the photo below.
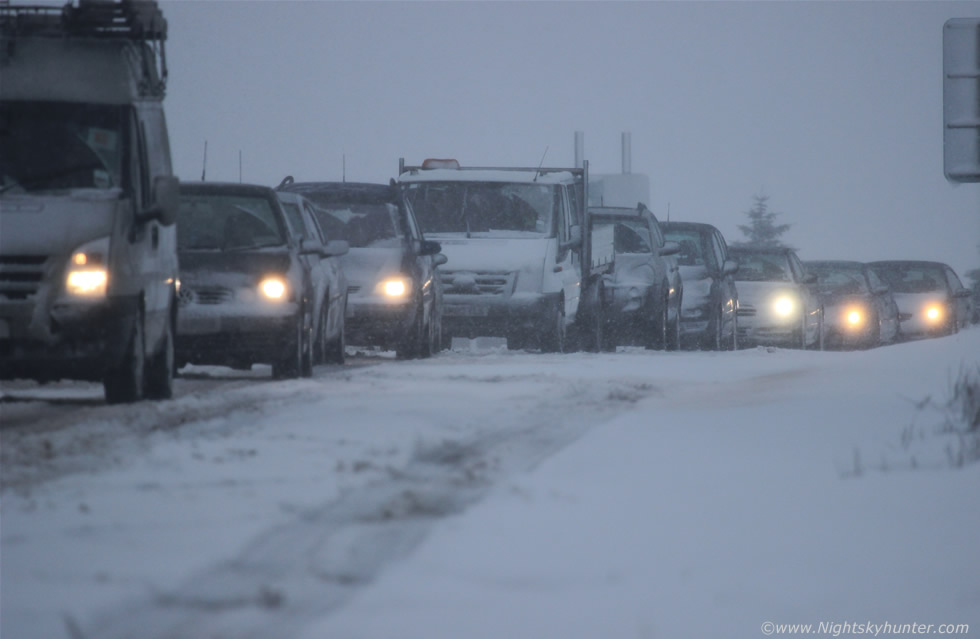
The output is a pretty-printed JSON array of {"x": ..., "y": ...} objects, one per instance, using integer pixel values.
[{"x": 486, "y": 175}]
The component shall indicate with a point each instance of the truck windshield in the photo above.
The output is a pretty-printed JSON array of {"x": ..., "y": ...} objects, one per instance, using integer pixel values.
[
  {"x": 54, "y": 146},
  {"x": 227, "y": 222},
  {"x": 490, "y": 209}
]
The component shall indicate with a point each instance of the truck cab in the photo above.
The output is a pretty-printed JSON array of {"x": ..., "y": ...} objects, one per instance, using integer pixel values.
[
  {"x": 88, "y": 201},
  {"x": 519, "y": 259}
]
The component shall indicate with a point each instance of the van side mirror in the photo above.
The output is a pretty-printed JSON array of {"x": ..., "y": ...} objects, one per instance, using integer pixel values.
[
  {"x": 574, "y": 238},
  {"x": 730, "y": 267},
  {"x": 670, "y": 248},
  {"x": 165, "y": 201},
  {"x": 810, "y": 278},
  {"x": 335, "y": 248},
  {"x": 439, "y": 259}
]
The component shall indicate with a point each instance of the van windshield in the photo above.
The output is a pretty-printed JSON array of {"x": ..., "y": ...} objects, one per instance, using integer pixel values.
[
  {"x": 55, "y": 146},
  {"x": 484, "y": 209}
]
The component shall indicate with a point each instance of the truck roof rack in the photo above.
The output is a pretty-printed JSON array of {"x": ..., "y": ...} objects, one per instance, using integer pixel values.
[{"x": 139, "y": 21}]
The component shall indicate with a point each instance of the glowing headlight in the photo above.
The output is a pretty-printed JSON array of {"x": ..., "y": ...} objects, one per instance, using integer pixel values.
[
  {"x": 395, "y": 287},
  {"x": 88, "y": 283},
  {"x": 87, "y": 275},
  {"x": 854, "y": 317},
  {"x": 784, "y": 306},
  {"x": 273, "y": 288},
  {"x": 934, "y": 313}
]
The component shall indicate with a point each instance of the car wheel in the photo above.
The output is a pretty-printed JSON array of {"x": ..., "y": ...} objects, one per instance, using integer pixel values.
[
  {"x": 553, "y": 340},
  {"x": 123, "y": 383},
  {"x": 336, "y": 350},
  {"x": 409, "y": 346},
  {"x": 656, "y": 337},
  {"x": 593, "y": 331},
  {"x": 802, "y": 340},
  {"x": 161, "y": 369},
  {"x": 674, "y": 331},
  {"x": 714, "y": 340},
  {"x": 291, "y": 364},
  {"x": 732, "y": 342}
]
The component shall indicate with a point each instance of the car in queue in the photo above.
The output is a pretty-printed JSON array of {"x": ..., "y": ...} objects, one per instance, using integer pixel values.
[
  {"x": 859, "y": 309},
  {"x": 394, "y": 289},
  {"x": 644, "y": 290},
  {"x": 931, "y": 299},
  {"x": 710, "y": 300},
  {"x": 776, "y": 304},
  {"x": 326, "y": 275},
  {"x": 247, "y": 292}
]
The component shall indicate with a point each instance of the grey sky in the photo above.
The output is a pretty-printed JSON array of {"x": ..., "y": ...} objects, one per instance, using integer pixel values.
[{"x": 833, "y": 109}]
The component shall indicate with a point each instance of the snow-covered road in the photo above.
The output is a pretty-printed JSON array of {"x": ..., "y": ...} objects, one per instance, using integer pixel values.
[{"x": 495, "y": 494}]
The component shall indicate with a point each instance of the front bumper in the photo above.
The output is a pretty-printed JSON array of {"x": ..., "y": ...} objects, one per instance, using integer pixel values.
[
  {"x": 235, "y": 335},
  {"x": 68, "y": 340},
  {"x": 375, "y": 322},
  {"x": 515, "y": 315}
]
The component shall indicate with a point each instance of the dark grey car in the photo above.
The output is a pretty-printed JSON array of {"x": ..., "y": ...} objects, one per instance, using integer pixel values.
[
  {"x": 859, "y": 310},
  {"x": 644, "y": 290},
  {"x": 708, "y": 308},
  {"x": 395, "y": 294},
  {"x": 248, "y": 293}
]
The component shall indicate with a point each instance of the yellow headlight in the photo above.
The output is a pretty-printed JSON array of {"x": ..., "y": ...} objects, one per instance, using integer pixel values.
[
  {"x": 273, "y": 288},
  {"x": 784, "y": 306},
  {"x": 854, "y": 317},
  {"x": 394, "y": 288},
  {"x": 933, "y": 313},
  {"x": 87, "y": 283}
]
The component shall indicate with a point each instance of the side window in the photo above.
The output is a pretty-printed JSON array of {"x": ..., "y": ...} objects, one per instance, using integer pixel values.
[
  {"x": 797, "y": 267},
  {"x": 723, "y": 244},
  {"x": 156, "y": 140},
  {"x": 413, "y": 225},
  {"x": 562, "y": 214},
  {"x": 874, "y": 280},
  {"x": 655, "y": 232},
  {"x": 717, "y": 250},
  {"x": 314, "y": 232},
  {"x": 138, "y": 178},
  {"x": 294, "y": 220},
  {"x": 573, "y": 204},
  {"x": 954, "y": 281}
]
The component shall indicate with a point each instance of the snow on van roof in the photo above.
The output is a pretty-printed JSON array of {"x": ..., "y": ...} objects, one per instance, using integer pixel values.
[{"x": 486, "y": 175}]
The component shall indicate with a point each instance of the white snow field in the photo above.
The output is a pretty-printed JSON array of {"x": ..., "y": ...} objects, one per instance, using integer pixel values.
[{"x": 495, "y": 494}]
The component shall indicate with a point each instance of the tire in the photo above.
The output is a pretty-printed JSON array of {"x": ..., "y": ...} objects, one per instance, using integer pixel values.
[
  {"x": 713, "y": 340},
  {"x": 160, "y": 371},
  {"x": 674, "y": 331},
  {"x": 320, "y": 344},
  {"x": 731, "y": 342},
  {"x": 335, "y": 351},
  {"x": 409, "y": 347},
  {"x": 124, "y": 383},
  {"x": 802, "y": 342},
  {"x": 294, "y": 363},
  {"x": 555, "y": 337},
  {"x": 593, "y": 331}
]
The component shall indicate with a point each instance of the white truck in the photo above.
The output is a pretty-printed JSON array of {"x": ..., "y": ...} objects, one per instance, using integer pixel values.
[
  {"x": 523, "y": 262},
  {"x": 88, "y": 201}
]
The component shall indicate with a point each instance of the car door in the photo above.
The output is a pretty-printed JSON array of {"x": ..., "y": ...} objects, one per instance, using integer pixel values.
[
  {"x": 962, "y": 304},
  {"x": 424, "y": 266},
  {"x": 811, "y": 306},
  {"x": 330, "y": 271},
  {"x": 300, "y": 236}
]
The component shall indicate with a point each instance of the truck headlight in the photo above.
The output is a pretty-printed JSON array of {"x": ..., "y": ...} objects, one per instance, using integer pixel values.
[
  {"x": 273, "y": 289},
  {"x": 396, "y": 287},
  {"x": 87, "y": 276}
]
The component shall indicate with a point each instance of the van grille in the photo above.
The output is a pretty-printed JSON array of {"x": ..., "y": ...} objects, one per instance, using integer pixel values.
[
  {"x": 478, "y": 282},
  {"x": 205, "y": 295},
  {"x": 746, "y": 310},
  {"x": 21, "y": 275}
]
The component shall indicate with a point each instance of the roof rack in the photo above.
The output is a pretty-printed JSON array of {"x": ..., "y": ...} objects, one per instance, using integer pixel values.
[{"x": 134, "y": 20}]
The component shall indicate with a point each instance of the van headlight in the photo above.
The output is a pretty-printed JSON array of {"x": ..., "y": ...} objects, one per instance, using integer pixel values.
[
  {"x": 274, "y": 289},
  {"x": 396, "y": 287},
  {"x": 934, "y": 313},
  {"x": 784, "y": 306},
  {"x": 87, "y": 275}
]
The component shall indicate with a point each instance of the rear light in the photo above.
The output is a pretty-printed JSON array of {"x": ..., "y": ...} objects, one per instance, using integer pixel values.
[{"x": 436, "y": 163}]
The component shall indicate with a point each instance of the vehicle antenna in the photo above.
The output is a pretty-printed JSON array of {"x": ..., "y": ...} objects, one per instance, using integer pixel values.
[
  {"x": 668, "y": 211},
  {"x": 540, "y": 164},
  {"x": 239, "y": 166},
  {"x": 343, "y": 169},
  {"x": 204, "y": 168}
]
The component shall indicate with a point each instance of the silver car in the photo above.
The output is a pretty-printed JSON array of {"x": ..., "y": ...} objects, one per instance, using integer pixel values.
[
  {"x": 775, "y": 303},
  {"x": 931, "y": 299}
]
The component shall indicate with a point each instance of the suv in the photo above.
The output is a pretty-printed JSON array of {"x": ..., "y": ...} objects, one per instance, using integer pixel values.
[
  {"x": 88, "y": 201},
  {"x": 394, "y": 288}
]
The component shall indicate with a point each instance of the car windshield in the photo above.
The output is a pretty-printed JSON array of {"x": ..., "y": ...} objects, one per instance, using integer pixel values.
[
  {"x": 692, "y": 251},
  {"x": 912, "y": 278},
  {"x": 762, "y": 267},
  {"x": 490, "y": 209},
  {"x": 832, "y": 278},
  {"x": 364, "y": 224},
  {"x": 48, "y": 146},
  {"x": 227, "y": 222},
  {"x": 629, "y": 236}
]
